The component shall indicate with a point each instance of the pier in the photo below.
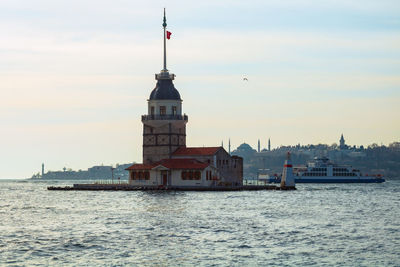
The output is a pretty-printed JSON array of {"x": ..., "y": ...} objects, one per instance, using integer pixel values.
[{"x": 128, "y": 187}]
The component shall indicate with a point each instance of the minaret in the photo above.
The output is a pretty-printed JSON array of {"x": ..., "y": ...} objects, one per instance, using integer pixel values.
[
  {"x": 229, "y": 146},
  {"x": 258, "y": 146},
  {"x": 42, "y": 169},
  {"x": 164, "y": 126},
  {"x": 342, "y": 142},
  {"x": 269, "y": 144},
  {"x": 287, "y": 175},
  {"x": 222, "y": 143}
]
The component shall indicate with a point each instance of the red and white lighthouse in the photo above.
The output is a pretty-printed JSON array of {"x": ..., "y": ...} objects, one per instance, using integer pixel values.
[{"x": 287, "y": 175}]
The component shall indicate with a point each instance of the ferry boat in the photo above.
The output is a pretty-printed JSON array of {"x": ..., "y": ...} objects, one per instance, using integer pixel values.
[{"x": 322, "y": 170}]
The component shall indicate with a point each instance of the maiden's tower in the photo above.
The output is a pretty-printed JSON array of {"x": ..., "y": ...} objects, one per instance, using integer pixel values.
[
  {"x": 164, "y": 126},
  {"x": 166, "y": 159}
]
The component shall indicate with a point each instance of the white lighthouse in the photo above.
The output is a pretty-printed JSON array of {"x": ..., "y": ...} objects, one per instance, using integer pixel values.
[{"x": 287, "y": 176}]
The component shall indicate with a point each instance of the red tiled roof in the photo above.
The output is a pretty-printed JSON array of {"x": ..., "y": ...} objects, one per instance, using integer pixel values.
[
  {"x": 172, "y": 164},
  {"x": 139, "y": 166},
  {"x": 183, "y": 164},
  {"x": 193, "y": 151}
]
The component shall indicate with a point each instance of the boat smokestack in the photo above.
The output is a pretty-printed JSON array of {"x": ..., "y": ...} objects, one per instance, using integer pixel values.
[{"x": 287, "y": 176}]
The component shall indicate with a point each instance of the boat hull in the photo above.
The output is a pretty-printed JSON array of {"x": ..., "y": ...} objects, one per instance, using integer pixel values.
[{"x": 332, "y": 180}]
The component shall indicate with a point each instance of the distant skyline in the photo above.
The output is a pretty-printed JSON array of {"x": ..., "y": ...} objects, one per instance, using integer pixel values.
[{"x": 75, "y": 75}]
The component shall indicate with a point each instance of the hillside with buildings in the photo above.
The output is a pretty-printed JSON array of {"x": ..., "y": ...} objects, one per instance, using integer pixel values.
[
  {"x": 372, "y": 159},
  {"x": 100, "y": 172}
]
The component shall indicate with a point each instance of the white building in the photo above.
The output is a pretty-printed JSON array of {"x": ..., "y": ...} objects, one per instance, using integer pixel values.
[{"x": 174, "y": 172}]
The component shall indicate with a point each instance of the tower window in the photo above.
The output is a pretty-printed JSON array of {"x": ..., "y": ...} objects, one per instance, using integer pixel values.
[
  {"x": 163, "y": 110},
  {"x": 173, "y": 110}
]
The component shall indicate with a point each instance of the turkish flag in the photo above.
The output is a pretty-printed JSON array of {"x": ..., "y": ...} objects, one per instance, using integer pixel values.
[{"x": 169, "y": 35}]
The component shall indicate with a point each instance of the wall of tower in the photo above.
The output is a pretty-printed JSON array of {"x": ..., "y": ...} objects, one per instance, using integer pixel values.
[
  {"x": 156, "y": 104},
  {"x": 161, "y": 140}
]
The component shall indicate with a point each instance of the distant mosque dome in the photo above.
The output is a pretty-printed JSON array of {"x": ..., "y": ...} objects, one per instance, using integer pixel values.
[
  {"x": 244, "y": 150},
  {"x": 245, "y": 147},
  {"x": 165, "y": 90}
]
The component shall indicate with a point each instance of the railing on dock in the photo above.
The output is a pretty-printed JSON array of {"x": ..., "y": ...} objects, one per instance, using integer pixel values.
[
  {"x": 255, "y": 182},
  {"x": 111, "y": 182}
]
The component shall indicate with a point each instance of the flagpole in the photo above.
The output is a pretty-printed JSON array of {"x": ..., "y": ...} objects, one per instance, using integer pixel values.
[{"x": 165, "y": 43}]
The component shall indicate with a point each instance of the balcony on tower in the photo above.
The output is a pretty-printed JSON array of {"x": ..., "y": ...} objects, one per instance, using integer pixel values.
[
  {"x": 164, "y": 117},
  {"x": 165, "y": 76}
]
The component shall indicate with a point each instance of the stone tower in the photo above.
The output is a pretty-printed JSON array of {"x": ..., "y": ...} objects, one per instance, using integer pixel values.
[{"x": 164, "y": 126}]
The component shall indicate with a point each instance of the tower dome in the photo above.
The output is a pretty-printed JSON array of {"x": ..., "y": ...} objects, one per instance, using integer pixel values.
[{"x": 164, "y": 90}]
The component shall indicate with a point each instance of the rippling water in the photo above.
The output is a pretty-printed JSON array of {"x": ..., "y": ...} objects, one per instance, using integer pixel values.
[{"x": 323, "y": 225}]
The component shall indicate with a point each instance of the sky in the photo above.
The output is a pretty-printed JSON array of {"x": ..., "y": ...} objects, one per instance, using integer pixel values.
[{"x": 75, "y": 76}]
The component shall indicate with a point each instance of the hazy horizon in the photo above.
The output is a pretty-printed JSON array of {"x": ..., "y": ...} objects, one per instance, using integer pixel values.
[
  {"x": 76, "y": 76},
  {"x": 121, "y": 163}
]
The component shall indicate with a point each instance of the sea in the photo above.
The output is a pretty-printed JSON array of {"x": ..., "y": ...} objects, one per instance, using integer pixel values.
[{"x": 316, "y": 225}]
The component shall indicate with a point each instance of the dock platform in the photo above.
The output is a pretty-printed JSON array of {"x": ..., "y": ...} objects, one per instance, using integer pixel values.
[{"x": 127, "y": 187}]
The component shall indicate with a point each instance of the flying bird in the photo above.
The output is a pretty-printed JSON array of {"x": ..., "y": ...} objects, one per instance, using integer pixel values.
[{"x": 245, "y": 79}]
